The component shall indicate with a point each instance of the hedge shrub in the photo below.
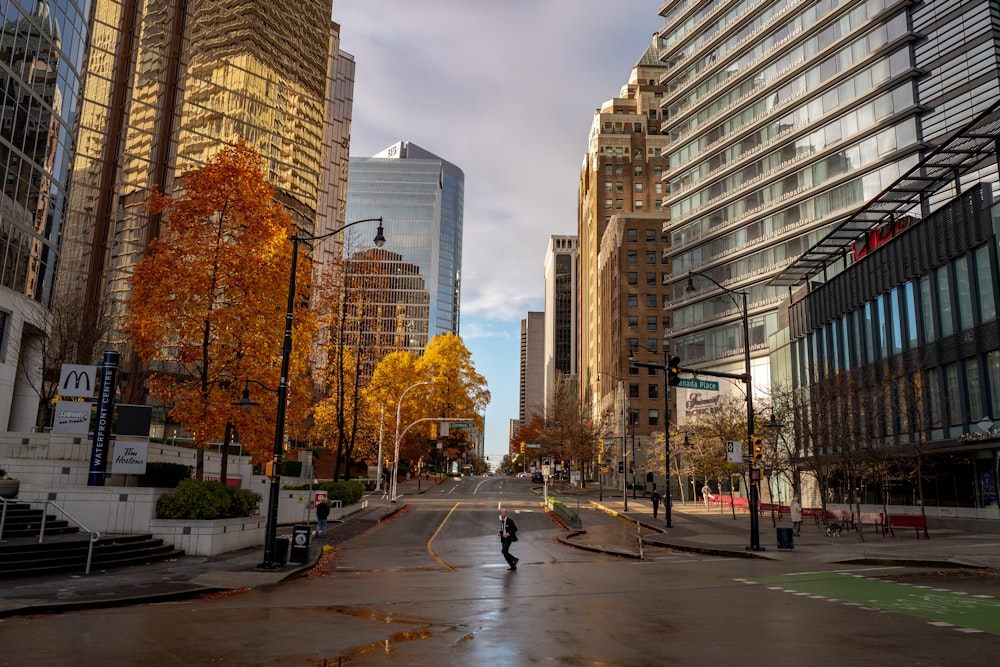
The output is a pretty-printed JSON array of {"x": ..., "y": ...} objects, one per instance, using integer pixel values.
[
  {"x": 165, "y": 475},
  {"x": 201, "y": 500},
  {"x": 347, "y": 493}
]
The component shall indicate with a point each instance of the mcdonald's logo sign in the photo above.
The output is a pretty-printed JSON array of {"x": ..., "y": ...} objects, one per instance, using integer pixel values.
[{"x": 77, "y": 381}]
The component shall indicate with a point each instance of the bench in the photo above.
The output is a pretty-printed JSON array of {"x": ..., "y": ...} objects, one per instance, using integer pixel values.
[{"x": 918, "y": 523}]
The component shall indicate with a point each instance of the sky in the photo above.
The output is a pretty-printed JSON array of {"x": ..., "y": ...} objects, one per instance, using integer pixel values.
[{"x": 506, "y": 90}]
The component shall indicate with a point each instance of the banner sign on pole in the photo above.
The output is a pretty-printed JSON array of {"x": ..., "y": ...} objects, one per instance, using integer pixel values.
[{"x": 105, "y": 412}]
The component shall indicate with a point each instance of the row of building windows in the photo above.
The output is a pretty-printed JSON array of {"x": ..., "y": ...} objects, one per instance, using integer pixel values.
[
  {"x": 638, "y": 187},
  {"x": 652, "y": 257},
  {"x": 652, "y": 390},
  {"x": 651, "y": 235},
  {"x": 651, "y": 322},
  {"x": 651, "y": 300},
  {"x": 618, "y": 169},
  {"x": 952, "y": 298},
  {"x": 632, "y": 278}
]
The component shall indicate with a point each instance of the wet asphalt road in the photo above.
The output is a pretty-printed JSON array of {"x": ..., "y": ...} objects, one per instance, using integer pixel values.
[{"x": 429, "y": 587}]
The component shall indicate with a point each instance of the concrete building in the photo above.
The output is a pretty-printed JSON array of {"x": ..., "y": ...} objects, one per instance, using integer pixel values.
[
  {"x": 561, "y": 321},
  {"x": 533, "y": 341},
  {"x": 167, "y": 84},
  {"x": 421, "y": 197},
  {"x": 621, "y": 246},
  {"x": 41, "y": 47}
]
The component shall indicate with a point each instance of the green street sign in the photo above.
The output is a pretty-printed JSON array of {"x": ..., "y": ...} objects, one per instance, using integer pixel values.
[
  {"x": 465, "y": 424},
  {"x": 531, "y": 445},
  {"x": 693, "y": 383}
]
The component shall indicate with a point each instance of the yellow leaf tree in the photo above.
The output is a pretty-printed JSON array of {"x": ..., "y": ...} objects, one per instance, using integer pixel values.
[{"x": 207, "y": 303}]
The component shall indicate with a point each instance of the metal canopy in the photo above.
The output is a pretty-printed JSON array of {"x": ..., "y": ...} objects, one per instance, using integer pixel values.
[{"x": 962, "y": 152}]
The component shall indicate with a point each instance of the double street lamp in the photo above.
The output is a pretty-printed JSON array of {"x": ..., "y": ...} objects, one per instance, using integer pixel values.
[
  {"x": 748, "y": 381},
  {"x": 399, "y": 436},
  {"x": 271, "y": 529}
]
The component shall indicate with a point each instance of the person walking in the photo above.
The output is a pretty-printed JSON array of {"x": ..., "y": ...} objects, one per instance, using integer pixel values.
[
  {"x": 656, "y": 502},
  {"x": 322, "y": 514},
  {"x": 508, "y": 535},
  {"x": 705, "y": 491},
  {"x": 795, "y": 512}
]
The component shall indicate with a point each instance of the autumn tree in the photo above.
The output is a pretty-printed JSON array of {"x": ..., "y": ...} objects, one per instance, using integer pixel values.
[
  {"x": 207, "y": 303},
  {"x": 454, "y": 390}
]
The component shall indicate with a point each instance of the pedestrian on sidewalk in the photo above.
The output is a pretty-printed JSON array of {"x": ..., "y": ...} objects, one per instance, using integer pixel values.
[
  {"x": 322, "y": 514},
  {"x": 508, "y": 535},
  {"x": 656, "y": 503},
  {"x": 795, "y": 511},
  {"x": 705, "y": 491}
]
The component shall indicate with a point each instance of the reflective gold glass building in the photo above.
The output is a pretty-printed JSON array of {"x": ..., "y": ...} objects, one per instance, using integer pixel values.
[{"x": 167, "y": 84}]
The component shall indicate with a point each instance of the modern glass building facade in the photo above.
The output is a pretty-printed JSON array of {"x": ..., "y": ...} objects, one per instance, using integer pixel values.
[
  {"x": 784, "y": 118},
  {"x": 894, "y": 349},
  {"x": 41, "y": 57},
  {"x": 167, "y": 84},
  {"x": 421, "y": 198}
]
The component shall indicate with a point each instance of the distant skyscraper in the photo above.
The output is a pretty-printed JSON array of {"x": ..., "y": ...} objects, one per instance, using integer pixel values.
[
  {"x": 421, "y": 198},
  {"x": 41, "y": 50},
  {"x": 532, "y": 366},
  {"x": 167, "y": 84},
  {"x": 561, "y": 307}
]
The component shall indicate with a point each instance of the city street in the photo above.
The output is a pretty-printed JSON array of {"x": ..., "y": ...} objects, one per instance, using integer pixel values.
[{"x": 430, "y": 587}]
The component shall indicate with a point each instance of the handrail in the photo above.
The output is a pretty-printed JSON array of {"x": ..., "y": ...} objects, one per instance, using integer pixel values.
[
  {"x": 3, "y": 516},
  {"x": 94, "y": 535}
]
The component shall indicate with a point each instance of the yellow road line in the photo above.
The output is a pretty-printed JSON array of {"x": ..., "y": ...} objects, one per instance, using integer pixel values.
[{"x": 430, "y": 550}]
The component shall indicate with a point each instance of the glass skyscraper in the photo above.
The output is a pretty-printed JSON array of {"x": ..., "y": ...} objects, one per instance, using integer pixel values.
[
  {"x": 784, "y": 118},
  {"x": 421, "y": 198},
  {"x": 41, "y": 53}
]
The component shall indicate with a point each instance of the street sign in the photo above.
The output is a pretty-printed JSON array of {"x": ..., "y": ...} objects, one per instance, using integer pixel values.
[
  {"x": 695, "y": 383},
  {"x": 469, "y": 424},
  {"x": 734, "y": 451},
  {"x": 531, "y": 445}
]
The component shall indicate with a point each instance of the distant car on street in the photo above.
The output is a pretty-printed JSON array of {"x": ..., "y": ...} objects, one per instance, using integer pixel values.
[{"x": 537, "y": 477}]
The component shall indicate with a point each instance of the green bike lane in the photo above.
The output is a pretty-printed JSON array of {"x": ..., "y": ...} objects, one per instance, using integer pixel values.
[{"x": 942, "y": 607}]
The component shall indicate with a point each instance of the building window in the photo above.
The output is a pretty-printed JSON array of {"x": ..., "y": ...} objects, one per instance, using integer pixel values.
[
  {"x": 637, "y": 170},
  {"x": 633, "y": 417},
  {"x": 637, "y": 205},
  {"x": 633, "y": 346},
  {"x": 651, "y": 257},
  {"x": 637, "y": 127},
  {"x": 651, "y": 323},
  {"x": 650, "y": 236},
  {"x": 619, "y": 187},
  {"x": 654, "y": 417},
  {"x": 651, "y": 344},
  {"x": 633, "y": 278},
  {"x": 633, "y": 390},
  {"x": 653, "y": 390},
  {"x": 650, "y": 279},
  {"x": 638, "y": 187},
  {"x": 607, "y": 169},
  {"x": 633, "y": 300},
  {"x": 651, "y": 301},
  {"x": 632, "y": 235},
  {"x": 608, "y": 203},
  {"x": 619, "y": 204},
  {"x": 633, "y": 257},
  {"x": 607, "y": 186},
  {"x": 633, "y": 321}
]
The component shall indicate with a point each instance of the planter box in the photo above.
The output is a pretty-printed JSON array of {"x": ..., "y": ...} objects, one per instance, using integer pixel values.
[
  {"x": 210, "y": 538},
  {"x": 9, "y": 488}
]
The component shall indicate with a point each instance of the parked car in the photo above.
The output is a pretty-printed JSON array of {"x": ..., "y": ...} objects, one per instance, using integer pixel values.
[{"x": 537, "y": 477}]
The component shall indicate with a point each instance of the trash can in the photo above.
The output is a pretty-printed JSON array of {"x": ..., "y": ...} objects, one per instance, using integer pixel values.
[
  {"x": 300, "y": 543},
  {"x": 280, "y": 550},
  {"x": 785, "y": 539}
]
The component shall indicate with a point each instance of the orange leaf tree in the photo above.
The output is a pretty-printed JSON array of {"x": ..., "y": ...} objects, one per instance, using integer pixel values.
[{"x": 207, "y": 302}]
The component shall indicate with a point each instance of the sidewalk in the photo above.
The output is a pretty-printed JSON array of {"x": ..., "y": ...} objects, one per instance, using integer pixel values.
[
  {"x": 181, "y": 578},
  {"x": 715, "y": 532}
]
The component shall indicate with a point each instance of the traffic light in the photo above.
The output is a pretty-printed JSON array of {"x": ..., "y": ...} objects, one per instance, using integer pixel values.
[
  {"x": 522, "y": 448},
  {"x": 757, "y": 454},
  {"x": 674, "y": 371}
]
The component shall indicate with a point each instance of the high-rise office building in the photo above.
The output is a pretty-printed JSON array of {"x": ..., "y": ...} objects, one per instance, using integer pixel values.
[
  {"x": 167, "y": 84},
  {"x": 561, "y": 268},
  {"x": 41, "y": 59},
  {"x": 784, "y": 118},
  {"x": 622, "y": 274},
  {"x": 533, "y": 340},
  {"x": 421, "y": 197}
]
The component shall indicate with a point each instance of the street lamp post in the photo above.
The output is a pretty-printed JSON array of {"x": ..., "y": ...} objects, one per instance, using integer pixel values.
[
  {"x": 748, "y": 380},
  {"x": 667, "y": 504},
  {"x": 624, "y": 436},
  {"x": 271, "y": 530},
  {"x": 399, "y": 414}
]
